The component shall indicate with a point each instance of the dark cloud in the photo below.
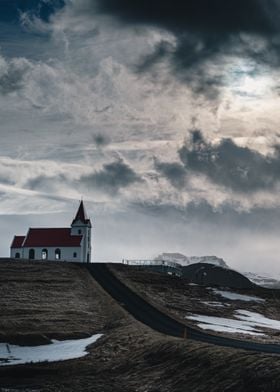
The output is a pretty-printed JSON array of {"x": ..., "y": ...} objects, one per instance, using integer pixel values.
[
  {"x": 173, "y": 171},
  {"x": 227, "y": 215},
  {"x": 100, "y": 140},
  {"x": 238, "y": 168},
  {"x": 12, "y": 79},
  {"x": 216, "y": 16},
  {"x": 204, "y": 30},
  {"x": 112, "y": 177},
  {"x": 5, "y": 180},
  {"x": 45, "y": 183},
  {"x": 162, "y": 50}
]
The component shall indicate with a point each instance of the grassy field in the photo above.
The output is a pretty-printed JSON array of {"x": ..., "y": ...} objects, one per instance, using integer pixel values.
[{"x": 62, "y": 300}]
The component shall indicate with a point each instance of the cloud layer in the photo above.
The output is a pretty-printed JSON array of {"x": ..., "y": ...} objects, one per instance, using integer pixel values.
[
  {"x": 239, "y": 168},
  {"x": 100, "y": 99},
  {"x": 203, "y": 29}
]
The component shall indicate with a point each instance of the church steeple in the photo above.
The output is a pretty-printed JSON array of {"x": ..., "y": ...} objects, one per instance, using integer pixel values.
[
  {"x": 81, "y": 215},
  {"x": 81, "y": 226}
]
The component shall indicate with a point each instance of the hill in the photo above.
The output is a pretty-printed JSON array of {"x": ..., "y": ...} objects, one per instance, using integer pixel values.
[
  {"x": 209, "y": 274},
  {"x": 59, "y": 300}
]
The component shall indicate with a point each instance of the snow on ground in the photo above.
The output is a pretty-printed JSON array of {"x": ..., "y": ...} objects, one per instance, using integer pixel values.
[
  {"x": 245, "y": 322},
  {"x": 215, "y": 304},
  {"x": 56, "y": 351},
  {"x": 221, "y": 324},
  {"x": 258, "y": 319},
  {"x": 237, "y": 297}
]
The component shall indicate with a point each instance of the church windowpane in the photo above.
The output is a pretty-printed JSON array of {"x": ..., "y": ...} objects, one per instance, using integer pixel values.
[
  {"x": 57, "y": 254},
  {"x": 74, "y": 255},
  {"x": 17, "y": 255},
  {"x": 44, "y": 254},
  {"x": 31, "y": 254}
]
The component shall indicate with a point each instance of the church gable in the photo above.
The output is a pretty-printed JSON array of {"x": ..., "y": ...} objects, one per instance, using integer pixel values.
[{"x": 17, "y": 241}]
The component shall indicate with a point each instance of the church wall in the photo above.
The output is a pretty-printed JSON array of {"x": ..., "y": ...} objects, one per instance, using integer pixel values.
[
  {"x": 16, "y": 251},
  {"x": 87, "y": 244},
  {"x": 67, "y": 254},
  {"x": 80, "y": 229}
]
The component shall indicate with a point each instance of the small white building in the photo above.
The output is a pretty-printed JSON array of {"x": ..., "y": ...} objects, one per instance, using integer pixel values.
[{"x": 66, "y": 244}]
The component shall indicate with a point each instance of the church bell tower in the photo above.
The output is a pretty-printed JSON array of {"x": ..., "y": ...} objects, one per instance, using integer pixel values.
[{"x": 81, "y": 225}]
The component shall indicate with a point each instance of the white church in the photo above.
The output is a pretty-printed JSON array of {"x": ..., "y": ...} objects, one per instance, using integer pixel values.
[{"x": 66, "y": 244}]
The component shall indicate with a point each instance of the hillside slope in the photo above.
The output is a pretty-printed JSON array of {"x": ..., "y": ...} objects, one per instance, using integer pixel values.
[
  {"x": 51, "y": 299},
  {"x": 251, "y": 314},
  {"x": 60, "y": 300}
]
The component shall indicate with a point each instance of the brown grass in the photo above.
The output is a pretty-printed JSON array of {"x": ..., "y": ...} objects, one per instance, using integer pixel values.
[
  {"x": 57, "y": 300},
  {"x": 129, "y": 357}
]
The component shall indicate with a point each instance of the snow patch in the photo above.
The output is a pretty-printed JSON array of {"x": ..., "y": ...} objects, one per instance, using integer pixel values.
[
  {"x": 246, "y": 322},
  {"x": 237, "y": 297},
  {"x": 215, "y": 304},
  {"x": 258, "y": 319},
  {"x": 221, "y": 324},
  {"x": 56, "y": 351}
]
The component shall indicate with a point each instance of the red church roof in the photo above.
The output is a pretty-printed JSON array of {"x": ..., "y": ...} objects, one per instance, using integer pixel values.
[
  {"x": 60, "y": 237},
  {"x": 81, "y": 215},
  {"x": 17, "y": 241}
]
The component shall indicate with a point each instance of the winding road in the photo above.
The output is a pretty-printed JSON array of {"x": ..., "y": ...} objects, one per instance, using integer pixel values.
[{"x": 159, "y": 321}]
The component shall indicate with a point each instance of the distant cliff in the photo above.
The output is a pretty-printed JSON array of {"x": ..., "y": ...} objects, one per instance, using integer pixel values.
[{"x": 187, "y": 260}]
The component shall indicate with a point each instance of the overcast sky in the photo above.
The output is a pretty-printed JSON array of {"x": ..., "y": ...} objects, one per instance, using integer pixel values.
[{"x": 164, "y": 115}]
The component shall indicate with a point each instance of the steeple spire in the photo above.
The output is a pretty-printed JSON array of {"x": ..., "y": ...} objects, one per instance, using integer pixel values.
[{"x": 81, "y": 215}]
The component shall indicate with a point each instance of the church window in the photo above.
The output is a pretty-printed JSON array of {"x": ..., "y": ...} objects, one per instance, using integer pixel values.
[
  {"x": 80, "y": 231},
  {"x": 31, "y": 254},
  {"x": 44, "y": 254},
  {"x": 17, "y": 255},
  {"x": 57, "y": 254},
  {"x": 75, "y": 255}
]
